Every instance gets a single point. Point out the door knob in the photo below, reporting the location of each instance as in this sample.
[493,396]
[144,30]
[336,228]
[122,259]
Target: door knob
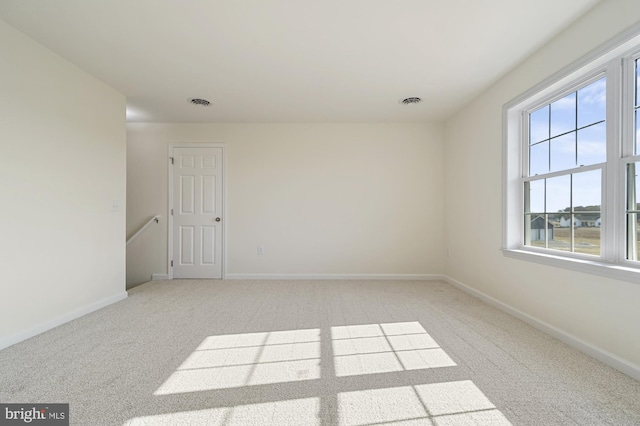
[217,219]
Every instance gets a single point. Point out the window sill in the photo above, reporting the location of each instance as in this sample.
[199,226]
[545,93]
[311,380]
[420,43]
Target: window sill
[604,269]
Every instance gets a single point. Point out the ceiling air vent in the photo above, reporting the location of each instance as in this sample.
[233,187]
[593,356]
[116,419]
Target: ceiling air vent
[201,102]
[408,101]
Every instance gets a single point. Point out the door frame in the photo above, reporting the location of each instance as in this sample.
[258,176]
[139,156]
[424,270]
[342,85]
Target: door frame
[223,252]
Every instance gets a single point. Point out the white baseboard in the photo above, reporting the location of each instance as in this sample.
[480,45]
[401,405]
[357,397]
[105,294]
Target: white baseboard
[5,342]
[159,277]
[612,360]
[417,277]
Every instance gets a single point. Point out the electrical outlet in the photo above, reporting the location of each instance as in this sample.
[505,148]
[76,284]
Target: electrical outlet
[260,251]
[115,206]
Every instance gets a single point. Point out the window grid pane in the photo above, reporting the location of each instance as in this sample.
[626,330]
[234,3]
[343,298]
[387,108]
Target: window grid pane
[592,144]
[538,235]
[569,132]
[592,103]
[539,125]
[536,191]
[563,115]
[571,219]
[587,235]
[562,152]
[539,158]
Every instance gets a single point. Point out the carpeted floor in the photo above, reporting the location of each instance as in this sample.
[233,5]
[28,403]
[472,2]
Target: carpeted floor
[312,353]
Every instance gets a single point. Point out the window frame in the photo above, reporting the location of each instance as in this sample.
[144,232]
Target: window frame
[616,61]
[570,87]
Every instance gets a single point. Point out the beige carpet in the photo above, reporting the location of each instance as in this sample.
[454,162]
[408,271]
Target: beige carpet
[312,353]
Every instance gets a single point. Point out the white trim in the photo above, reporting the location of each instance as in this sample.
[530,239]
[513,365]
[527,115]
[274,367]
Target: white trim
[612,360]
[416,277]
[603,269]
[159,277]
[41,328]
[565,172]
[170,199]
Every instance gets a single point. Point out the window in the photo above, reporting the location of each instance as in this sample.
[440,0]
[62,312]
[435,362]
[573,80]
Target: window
[566,156]
[572,148]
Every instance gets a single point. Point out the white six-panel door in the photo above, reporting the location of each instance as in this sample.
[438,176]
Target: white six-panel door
[197,212]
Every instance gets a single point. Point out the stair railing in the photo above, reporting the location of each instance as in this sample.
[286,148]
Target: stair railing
[155,219]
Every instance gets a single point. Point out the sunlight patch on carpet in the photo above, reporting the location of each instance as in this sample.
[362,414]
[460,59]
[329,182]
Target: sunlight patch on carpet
[385,348]
[449,403]
[236,360]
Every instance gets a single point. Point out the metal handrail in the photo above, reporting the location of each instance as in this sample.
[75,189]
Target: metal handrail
[156,218]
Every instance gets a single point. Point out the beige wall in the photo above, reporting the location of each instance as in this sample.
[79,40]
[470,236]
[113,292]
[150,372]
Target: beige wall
[63,163]
[320,198]
[603,313]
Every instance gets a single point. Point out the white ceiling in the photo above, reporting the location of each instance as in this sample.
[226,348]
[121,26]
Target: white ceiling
[294,60]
